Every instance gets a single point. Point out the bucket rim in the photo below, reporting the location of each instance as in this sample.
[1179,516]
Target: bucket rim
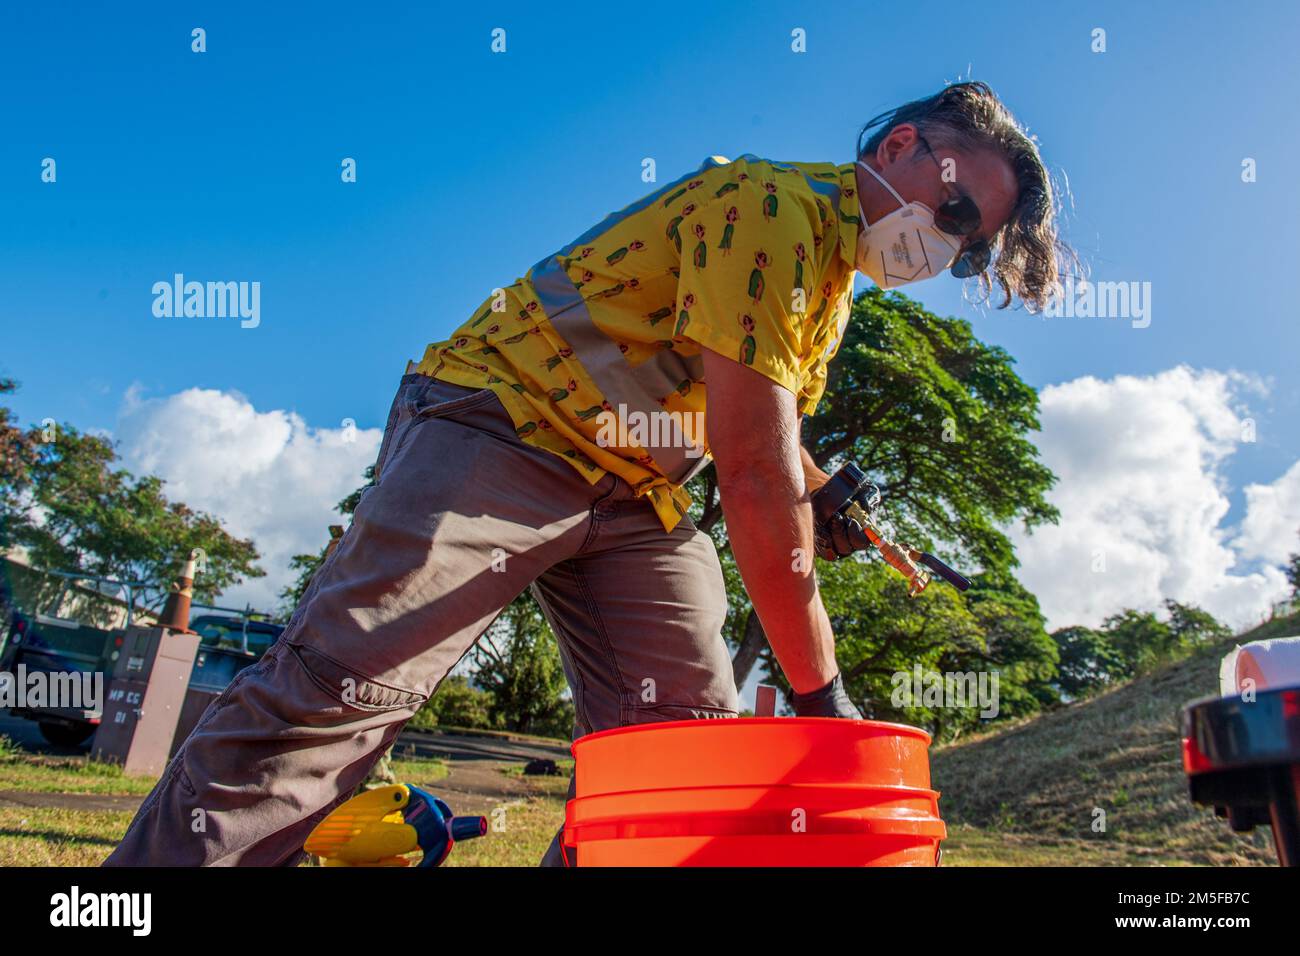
[906,729]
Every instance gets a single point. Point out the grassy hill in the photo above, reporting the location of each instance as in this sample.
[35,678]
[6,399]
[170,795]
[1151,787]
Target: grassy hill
[1026,794]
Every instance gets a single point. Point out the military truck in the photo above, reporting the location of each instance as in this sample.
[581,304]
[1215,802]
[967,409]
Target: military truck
[36,641]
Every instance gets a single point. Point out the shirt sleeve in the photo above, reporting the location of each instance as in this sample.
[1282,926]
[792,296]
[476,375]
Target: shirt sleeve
[743,256]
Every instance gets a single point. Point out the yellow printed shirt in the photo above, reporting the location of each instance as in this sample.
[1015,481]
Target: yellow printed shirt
[752,259]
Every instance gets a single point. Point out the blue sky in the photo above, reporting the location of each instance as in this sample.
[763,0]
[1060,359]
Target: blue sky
[472,165]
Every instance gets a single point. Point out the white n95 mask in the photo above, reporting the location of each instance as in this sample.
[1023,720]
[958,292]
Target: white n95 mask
[904,246]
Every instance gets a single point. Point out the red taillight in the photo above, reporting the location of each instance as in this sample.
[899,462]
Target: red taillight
[1193,760]
[117,642]
[1291,704]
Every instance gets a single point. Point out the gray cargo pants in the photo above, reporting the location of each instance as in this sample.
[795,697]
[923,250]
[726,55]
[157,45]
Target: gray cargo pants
[462,518]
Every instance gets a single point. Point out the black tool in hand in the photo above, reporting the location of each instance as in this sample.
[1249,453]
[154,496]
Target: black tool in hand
[843,510]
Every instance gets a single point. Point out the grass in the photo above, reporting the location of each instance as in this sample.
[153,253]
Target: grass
[519,830]
[972,846]
[419,771]
[518,836]
[36,773]
[51,837]
[57,837]
[1026,794]
[1032,793]
[20,770]
[519,833]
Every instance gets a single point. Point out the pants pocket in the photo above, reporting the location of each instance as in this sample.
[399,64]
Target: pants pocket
[395,412]
[424,401]
[666,712]
[434,400]
[350,687]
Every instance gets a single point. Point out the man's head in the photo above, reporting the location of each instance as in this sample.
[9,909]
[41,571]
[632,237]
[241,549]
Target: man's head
[962,154]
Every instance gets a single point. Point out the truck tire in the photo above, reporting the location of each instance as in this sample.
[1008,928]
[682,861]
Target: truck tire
[67,735]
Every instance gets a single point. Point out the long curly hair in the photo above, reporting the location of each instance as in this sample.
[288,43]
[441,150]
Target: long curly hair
[1029,259]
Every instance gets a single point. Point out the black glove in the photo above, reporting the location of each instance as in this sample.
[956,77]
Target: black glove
[838,537]
[829,701]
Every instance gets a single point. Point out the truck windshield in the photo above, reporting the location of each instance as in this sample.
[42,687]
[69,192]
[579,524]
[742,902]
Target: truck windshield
[228,634]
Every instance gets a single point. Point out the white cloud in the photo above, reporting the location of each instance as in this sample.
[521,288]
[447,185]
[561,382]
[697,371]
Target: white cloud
[1140,462]
[1271,528]
[267,475]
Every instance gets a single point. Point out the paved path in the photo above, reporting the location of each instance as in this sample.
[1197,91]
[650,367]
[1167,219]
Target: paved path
[470,747]
[70,801]
[480,787]
[448,746]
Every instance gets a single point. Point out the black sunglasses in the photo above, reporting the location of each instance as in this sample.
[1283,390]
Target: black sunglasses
[960,217]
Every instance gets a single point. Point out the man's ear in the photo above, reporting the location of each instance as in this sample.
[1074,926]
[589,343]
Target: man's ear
[901,141]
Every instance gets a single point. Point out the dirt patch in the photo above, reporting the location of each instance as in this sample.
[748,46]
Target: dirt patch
[71,801]
[481,786]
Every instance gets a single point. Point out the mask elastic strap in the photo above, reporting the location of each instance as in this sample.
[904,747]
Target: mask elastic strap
[881,179]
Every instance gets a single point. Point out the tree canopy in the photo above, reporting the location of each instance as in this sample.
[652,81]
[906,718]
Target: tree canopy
[64,501]
[1293,575]
[1130,643]
[942,423]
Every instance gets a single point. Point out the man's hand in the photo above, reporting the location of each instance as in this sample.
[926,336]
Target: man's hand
[828,701]
[840,535]
[752,428]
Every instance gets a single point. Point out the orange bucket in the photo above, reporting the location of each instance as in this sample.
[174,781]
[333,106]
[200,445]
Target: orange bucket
[763,791]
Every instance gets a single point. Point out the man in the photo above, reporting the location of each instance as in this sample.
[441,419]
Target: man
[517,454]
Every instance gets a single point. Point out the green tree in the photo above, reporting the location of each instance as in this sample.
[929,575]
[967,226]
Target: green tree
[1088,662]
[1139,638]
[73,510]
[19,452]
[942,423]
[1143,641]
[517,662]
[1016,643]
[1130,643]
[1293,576]
[1191,627]
[458,703]
[883,636]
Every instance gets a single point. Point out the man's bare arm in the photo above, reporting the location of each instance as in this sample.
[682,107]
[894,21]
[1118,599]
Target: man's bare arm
[814,477]
[752,426]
